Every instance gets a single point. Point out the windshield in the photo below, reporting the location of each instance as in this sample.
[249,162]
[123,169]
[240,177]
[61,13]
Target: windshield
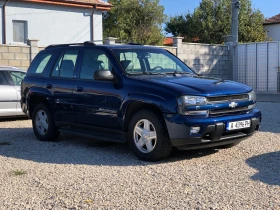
[150,61]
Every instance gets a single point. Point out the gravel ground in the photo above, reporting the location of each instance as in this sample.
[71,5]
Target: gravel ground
[78,173]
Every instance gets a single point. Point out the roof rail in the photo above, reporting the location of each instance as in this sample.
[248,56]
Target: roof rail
[86,43]
[132,43]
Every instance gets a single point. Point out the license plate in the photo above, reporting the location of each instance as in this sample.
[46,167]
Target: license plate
[239,125]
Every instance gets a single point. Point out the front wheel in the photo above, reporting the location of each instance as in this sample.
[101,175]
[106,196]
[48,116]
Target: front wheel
[148,137]
[43,125]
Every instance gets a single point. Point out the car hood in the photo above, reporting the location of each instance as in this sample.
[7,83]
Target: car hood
[199,85]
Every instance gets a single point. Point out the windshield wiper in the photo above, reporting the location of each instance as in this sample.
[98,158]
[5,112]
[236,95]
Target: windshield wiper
[153,73]
[178,72]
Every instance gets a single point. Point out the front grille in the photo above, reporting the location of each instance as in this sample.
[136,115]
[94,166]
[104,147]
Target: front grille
[229,99]
[227,111]
[221,99]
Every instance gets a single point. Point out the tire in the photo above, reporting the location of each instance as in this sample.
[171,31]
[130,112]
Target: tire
[43,125]
[148,137]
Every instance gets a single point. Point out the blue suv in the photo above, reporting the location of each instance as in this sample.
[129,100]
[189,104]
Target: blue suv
[142,95]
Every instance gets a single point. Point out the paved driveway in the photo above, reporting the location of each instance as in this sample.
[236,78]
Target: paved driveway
[78,173]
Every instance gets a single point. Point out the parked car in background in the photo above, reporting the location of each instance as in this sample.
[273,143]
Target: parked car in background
[140,94]
[10,81]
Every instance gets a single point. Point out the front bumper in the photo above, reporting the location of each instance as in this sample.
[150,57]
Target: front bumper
[212,130]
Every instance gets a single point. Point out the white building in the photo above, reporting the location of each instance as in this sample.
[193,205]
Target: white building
[51,21]
[272,27]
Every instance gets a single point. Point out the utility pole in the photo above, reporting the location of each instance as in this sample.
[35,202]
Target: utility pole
[235,6]
[232,40]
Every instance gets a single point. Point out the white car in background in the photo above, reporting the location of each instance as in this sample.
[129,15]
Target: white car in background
[10,81]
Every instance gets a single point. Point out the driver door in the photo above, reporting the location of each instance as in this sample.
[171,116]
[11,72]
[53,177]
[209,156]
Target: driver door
[96,102]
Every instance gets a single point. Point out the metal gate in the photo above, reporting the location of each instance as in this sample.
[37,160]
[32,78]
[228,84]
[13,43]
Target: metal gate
[257,65]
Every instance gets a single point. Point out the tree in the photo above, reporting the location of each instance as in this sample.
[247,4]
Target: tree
[138,21]
[211,21]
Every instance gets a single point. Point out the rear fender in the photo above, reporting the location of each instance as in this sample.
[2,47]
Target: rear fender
[36,95]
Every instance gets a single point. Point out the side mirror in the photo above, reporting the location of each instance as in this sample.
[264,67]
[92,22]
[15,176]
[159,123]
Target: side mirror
[103,75]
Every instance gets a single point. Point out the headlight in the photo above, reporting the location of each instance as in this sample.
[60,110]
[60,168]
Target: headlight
[252,96]
[185,101]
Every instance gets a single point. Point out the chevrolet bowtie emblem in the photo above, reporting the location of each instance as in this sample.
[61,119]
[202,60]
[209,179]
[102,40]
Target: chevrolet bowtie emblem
[233,105]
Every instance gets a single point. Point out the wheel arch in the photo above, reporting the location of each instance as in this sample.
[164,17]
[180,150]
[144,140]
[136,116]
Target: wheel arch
[136,106]
[36,97]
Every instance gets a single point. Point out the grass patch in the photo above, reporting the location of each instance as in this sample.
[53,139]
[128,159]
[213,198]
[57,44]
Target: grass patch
[5,143]
[18,173]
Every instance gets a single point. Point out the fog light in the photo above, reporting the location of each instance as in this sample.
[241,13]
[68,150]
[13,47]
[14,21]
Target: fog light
[195,130]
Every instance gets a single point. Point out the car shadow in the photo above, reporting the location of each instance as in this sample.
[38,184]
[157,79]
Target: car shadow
[268,166]
[21,143]
[270,122]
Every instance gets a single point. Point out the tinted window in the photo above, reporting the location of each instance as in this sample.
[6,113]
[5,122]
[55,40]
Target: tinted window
[3,80]
[94,60]
[130,56]
[17,77]
[39,64]
[65,64]
[140,61]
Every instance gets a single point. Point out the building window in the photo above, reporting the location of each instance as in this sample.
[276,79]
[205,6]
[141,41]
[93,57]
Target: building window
[20,31]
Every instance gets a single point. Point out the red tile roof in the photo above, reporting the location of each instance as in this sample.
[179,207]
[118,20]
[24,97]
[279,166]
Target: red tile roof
[98,4]
[273,20]
[168,41]
[94,2]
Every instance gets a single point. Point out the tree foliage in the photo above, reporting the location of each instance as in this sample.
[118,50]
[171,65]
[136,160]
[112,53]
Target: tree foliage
[211,21]
[138,21]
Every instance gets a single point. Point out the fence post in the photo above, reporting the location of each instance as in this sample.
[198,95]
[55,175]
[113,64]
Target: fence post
[33,43]
[232,61]
[177,42]
[110,40]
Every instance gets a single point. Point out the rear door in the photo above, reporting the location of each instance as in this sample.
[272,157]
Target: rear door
[8,96]
[61,82]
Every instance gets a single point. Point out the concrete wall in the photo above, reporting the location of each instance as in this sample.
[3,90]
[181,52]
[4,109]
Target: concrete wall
[210,60]
[273,31]
[173,50]
[53,24]
[206,59]
[15,55]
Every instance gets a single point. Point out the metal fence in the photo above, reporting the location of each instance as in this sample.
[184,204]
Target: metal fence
[257,65]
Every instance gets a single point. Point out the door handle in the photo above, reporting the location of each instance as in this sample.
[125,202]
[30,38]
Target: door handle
[79,89]
[49,86]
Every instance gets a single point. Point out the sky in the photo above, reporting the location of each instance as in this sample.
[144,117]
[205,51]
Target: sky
[177,7]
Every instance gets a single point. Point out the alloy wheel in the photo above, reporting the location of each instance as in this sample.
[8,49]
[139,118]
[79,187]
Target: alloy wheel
[145,136]
[41,122]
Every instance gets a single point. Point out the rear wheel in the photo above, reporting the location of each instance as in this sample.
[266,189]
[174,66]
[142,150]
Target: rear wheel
[43,125]
[148,137]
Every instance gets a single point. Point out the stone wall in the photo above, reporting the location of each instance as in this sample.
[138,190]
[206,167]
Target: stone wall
[15,55]
[170,49]
[19,55]
[206,59]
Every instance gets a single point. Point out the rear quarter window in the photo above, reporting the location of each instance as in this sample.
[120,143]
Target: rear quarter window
[40,63]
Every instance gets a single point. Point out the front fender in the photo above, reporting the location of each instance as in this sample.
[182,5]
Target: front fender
[164,104]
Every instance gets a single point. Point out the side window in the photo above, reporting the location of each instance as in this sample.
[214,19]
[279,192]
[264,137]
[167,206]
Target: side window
[65,64]
[39,64]
[130,62]
[17,77]
[94,60]
[3,80]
